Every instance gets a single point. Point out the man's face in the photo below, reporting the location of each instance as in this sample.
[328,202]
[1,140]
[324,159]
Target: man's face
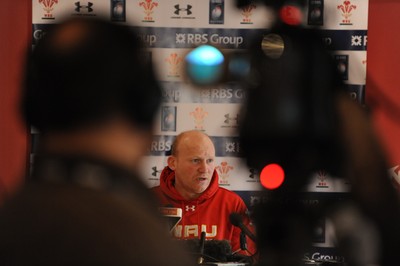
[193,165]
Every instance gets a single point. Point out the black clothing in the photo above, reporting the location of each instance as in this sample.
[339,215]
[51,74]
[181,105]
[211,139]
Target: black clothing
[84,212]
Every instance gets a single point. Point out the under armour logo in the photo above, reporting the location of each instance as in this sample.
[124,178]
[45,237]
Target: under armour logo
[178,9]
[79,6]
[190,208]
[253,173]
[229,118]
[155,171]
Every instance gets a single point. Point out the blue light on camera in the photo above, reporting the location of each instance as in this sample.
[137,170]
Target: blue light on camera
[205,65]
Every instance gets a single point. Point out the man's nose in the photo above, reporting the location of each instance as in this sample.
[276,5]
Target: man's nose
[203,166]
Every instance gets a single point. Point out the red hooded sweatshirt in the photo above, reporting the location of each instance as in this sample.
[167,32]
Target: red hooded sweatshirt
[209,212]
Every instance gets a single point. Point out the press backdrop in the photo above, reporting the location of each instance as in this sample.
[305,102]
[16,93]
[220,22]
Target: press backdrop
[171,28]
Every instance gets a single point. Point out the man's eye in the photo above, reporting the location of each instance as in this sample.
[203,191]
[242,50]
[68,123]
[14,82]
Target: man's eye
[195,160]
[210,160]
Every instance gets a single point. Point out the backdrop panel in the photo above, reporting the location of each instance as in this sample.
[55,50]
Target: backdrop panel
[170,28]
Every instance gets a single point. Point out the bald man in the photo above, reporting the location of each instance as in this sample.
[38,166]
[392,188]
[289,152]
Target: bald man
[190,182]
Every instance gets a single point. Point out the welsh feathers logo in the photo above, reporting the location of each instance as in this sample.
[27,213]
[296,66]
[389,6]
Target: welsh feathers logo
[48,7]
[321,175]
[199,114]
[246,12]
[174,62]
[223,170]
[148,9]
[346,10]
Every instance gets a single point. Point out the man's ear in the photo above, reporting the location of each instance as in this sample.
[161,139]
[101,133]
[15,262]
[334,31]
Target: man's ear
[171,162]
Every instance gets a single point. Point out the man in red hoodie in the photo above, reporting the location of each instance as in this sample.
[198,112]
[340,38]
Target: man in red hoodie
[190,182]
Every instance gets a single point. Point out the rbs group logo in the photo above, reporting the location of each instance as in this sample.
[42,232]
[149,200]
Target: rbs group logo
[203,38]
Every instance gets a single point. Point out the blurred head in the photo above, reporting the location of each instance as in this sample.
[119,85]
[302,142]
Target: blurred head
[192,159]
[86,71]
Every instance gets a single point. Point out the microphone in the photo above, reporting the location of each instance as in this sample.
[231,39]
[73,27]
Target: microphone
[243,241]
[172,215]
[236,220]
[202,241]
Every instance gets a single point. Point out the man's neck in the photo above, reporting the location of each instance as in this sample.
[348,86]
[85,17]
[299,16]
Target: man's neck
[115,142]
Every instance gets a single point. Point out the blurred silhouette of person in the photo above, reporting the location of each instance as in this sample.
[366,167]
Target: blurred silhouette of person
[91,93]
[190,181]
